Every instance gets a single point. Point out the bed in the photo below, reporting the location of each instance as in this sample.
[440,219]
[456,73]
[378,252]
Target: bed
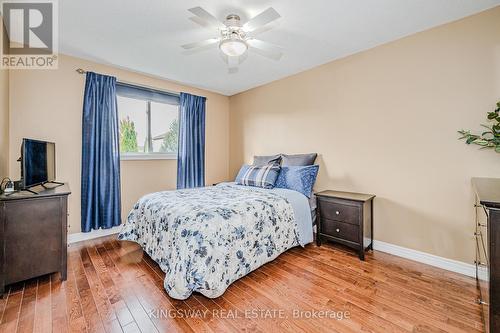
[206,238]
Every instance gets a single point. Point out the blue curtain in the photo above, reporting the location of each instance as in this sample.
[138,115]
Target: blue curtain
[101,206]
[191,152]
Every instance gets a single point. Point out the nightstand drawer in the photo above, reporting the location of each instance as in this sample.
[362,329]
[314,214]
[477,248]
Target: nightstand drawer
[339,212]
[341,230]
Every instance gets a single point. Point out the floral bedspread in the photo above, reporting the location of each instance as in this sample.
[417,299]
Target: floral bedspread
[204,239]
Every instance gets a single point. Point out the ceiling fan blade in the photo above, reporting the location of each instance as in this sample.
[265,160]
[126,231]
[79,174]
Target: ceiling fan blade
[198,20]
[262,19]
[206,16]
[265,49]
[243,57]
[200,49]
[258,31]
[203,43]
[233,62]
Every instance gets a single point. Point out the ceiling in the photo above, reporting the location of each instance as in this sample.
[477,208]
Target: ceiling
[145,36]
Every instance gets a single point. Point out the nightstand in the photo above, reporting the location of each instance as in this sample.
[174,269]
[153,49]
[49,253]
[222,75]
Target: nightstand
[346,218]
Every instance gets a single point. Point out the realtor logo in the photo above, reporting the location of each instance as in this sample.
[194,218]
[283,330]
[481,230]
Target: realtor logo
[29,36]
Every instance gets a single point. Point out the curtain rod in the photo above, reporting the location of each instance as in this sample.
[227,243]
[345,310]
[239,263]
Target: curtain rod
[82,71]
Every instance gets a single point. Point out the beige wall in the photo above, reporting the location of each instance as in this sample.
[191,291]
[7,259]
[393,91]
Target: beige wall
[384,121]
[4,119]
[4,123]
[47,105]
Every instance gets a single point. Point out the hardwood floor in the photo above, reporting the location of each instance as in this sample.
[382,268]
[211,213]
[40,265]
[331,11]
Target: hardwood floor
[113,287]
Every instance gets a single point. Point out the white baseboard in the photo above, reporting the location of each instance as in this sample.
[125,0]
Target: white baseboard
[82,236]
[430,259]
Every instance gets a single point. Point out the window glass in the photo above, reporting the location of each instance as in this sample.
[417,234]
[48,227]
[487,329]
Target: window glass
[164,127]
[147,127]
[133,124]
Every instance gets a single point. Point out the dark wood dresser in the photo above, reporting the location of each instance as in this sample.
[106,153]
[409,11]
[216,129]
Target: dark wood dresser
[487,191]
[33,230]
[346,218]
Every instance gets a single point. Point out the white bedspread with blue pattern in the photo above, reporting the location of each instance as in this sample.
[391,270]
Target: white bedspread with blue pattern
[204,239]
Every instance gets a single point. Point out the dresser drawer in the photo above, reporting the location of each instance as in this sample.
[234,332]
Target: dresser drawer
[336,210]
[34,245]
[346,231]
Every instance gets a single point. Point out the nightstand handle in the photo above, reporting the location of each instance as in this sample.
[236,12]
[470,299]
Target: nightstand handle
[337,230]
[337,212]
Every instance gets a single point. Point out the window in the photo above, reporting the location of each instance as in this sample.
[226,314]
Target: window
[149,122]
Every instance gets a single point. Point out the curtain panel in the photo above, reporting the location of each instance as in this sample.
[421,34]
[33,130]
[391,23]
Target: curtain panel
[191,152]
[100,188]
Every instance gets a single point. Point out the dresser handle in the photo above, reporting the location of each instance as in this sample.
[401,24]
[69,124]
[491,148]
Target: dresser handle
[337,230]
[480,301]
[482,225]
[337,212]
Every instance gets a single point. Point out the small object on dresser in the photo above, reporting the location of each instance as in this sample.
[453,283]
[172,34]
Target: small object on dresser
[346,218]
[6,185]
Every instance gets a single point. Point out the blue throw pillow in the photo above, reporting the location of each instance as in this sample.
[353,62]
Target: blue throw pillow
[261,176]
[298,178]
[240,174]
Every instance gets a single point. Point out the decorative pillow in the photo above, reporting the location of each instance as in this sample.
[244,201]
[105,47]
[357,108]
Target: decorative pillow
[298,159]
[298,178]
[265,160]
[241,173]
[261,176]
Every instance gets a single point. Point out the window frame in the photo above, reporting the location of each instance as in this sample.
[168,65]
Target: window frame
[129,156]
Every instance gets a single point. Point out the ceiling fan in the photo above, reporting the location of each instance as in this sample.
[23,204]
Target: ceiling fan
[235,38]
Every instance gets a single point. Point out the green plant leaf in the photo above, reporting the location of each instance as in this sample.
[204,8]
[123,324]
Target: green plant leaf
[492,115]
[470,139]
[481,142]
[487,139]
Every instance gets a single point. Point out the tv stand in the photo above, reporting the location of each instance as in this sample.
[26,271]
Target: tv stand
[20,190]
[51,182]
[27,190]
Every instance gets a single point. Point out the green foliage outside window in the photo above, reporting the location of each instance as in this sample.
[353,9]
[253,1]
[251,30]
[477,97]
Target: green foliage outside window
[128,136]
[170,140]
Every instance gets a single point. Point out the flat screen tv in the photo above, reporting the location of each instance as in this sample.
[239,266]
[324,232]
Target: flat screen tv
[38,162]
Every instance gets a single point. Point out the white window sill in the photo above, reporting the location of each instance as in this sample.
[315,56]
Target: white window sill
[143,157]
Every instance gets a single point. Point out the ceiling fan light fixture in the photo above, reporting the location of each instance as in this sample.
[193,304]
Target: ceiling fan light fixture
[235,38]
[233,47]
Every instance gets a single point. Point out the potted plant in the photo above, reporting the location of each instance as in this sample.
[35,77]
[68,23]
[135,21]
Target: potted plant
[488,139]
